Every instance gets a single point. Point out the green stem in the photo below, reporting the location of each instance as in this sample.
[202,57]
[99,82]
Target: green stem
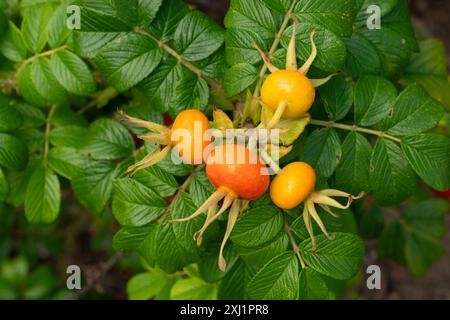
[48,127]
[288,231]
[42,54]
[213,83]
[331,124]
[274,47]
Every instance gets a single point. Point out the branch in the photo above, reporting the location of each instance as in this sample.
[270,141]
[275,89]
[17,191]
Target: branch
[331,124]
[213,83]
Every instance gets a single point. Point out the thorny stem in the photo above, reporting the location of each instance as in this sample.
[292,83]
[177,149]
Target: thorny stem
[213,83]
[287,228]
[341,126]
[48,126]
[275,44]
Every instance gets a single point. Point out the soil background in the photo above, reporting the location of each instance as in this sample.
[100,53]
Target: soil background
[431,19]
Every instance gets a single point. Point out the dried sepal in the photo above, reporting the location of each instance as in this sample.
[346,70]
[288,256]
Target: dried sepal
[305,68]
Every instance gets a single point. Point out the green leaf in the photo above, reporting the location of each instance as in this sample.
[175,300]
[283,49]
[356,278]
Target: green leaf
[251,15]
[334,15]
[67,161]
[193,289]
[312,286]
[12,45]
[159,86]
[208,268]
[337,97]
[259,256]
[72,73]
[32,116]
[148,9]
[362,56]
[177,238]
[88,44]
[429,68]
[169,15]
[280,6]
[57,27]
[200,188]
[323,151]
[68,136]
[391,178]
[239,46]
[374,98]
[257,226]
[278,279]
[414,112]
[94,185]
[215,65]
[28,89]
[131,238]
[108,16]
[158,180]
[428,217]
[108,140]
[421,252]
[18,182]
[34,27]
[339,258]
[238,78]
[145,286]
[188,91]
[10,118]
[134,204]
[331,50]
[127,60]
[232,286]
[429,155]
[197,37]
[13,152]
[45,83]
[43,197]
[352,174]
[174,165]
